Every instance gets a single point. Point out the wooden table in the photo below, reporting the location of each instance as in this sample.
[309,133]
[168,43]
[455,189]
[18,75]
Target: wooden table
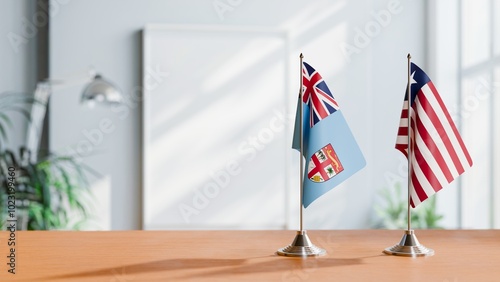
[353,255]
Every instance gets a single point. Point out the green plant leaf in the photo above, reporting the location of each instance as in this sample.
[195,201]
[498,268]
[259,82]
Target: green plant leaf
[392,213]
[56,188]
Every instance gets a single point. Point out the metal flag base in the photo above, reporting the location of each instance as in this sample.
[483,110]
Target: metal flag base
[409,247]
[301,247]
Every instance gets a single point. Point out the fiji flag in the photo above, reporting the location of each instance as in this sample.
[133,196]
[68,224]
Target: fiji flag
[331,152]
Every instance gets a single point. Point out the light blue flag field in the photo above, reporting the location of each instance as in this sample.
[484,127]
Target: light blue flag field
[330,150]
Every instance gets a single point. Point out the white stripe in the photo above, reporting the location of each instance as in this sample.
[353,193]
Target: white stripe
[431,129]
[448,128]
[402,139]
[325,101]
[323,96]
[403,122]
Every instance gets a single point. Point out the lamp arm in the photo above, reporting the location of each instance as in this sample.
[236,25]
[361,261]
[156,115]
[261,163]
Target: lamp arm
[38,111]
[80,78]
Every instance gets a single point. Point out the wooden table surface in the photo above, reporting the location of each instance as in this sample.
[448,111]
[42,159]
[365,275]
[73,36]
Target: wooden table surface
[353,255]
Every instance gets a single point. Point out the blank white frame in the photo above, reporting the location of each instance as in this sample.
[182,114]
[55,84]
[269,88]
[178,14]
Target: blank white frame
[149,103]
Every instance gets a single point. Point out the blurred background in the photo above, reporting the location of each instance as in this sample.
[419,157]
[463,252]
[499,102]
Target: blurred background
[201,138]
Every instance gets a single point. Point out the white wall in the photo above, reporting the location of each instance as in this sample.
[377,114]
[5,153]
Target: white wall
[18,57]
[369,84]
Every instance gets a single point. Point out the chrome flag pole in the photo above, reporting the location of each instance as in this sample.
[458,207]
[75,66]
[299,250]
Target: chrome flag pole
[409,245]
[301,245]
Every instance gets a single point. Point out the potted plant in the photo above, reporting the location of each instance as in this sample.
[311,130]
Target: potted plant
[50,193]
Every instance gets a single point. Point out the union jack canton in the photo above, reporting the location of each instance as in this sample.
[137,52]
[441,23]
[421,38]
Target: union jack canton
[316,95]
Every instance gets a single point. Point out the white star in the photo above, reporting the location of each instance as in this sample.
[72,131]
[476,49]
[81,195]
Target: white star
[413,79]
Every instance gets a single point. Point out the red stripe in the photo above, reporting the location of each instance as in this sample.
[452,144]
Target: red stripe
[404,113]
[450,121]
[318,106]
[431,145]
[436,122]
[422,196]
[403,131]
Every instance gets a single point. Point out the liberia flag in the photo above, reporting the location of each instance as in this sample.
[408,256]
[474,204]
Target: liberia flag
[332,154]
[437,153]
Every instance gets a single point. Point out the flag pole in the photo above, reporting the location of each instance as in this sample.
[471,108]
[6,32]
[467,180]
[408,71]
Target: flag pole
[409,246]
[301,169]
[408,90]
[301,245]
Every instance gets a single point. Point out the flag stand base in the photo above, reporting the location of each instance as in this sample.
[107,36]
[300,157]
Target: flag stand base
[301,247]
[409,247]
